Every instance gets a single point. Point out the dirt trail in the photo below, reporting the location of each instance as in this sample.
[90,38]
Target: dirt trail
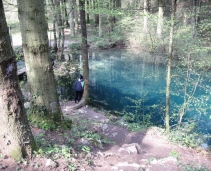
[146,150]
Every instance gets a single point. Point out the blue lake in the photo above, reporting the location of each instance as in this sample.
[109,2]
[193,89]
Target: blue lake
[127,82]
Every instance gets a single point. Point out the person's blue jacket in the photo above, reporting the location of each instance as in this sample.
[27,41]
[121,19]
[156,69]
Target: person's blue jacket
[79,85]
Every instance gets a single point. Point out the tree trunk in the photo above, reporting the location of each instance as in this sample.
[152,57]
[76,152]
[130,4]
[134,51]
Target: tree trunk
[66,14]
[60,55]
[145,15]
[85,97]
[55,47]
[168,78]
[160,18]
[111,18]
[16,137]
[76,14]
[71,6]
[53,9]
[100,25]
[96,16]
[37,59]
[87,13]
[59,23]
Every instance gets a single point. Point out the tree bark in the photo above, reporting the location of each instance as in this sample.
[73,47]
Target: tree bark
[87,4]
[71,6]
[146,10]
[168,78]
[37,59]
[55,47]
[66,14]
[160,18]
[100,25]
[85,97]
[53,9]
[60,55]
[16,138]
[96,16]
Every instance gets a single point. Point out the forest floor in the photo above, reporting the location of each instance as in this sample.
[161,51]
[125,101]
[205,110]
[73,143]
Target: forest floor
[99,142]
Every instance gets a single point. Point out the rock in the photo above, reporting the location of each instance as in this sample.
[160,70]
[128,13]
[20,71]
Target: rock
[133,148]
[169,159]
[164,160]
[2,166]
[109,155]
[114,134]
[84,141]
[104,127]
[126,164]
[154,161]
[123,150]
[99,153]
[205,146]
[27,105]
[82,111]
[51,163]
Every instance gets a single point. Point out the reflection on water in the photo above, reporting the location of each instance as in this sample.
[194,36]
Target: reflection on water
[127,82]
[117,78]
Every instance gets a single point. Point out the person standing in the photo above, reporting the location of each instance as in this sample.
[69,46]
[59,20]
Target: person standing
[79,86]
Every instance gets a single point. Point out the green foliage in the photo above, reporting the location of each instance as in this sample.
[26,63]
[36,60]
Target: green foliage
[22,83]
[175,154]
[137,116]
[135,127]
[16,154]
[47,149]
[75,47]
[72,167]
[40,121]
[185,135]
[85,149]
[41,118]
[66,123]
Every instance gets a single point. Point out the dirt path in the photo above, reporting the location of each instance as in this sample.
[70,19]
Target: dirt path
[146,150]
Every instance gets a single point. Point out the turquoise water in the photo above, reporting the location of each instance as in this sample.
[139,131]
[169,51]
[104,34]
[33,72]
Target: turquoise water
[127,82]
[120,79]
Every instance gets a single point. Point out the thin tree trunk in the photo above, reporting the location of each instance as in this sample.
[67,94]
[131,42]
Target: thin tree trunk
[55,47]
[160,18]
[168,78]
[59,23]
[37,59]
[71,6]
[111,19]
[53,9]
[16,138]
[96,16]
[87,13]
[76,14]
[145,15]
[100,25]
[60,55]
[85,97]
[65,14]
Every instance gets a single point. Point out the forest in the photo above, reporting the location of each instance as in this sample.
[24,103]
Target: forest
[172,35]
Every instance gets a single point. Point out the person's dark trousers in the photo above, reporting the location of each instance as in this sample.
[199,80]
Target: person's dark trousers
[78,95]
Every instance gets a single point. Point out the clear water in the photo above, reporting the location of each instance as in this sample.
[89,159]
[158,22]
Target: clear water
[129,82]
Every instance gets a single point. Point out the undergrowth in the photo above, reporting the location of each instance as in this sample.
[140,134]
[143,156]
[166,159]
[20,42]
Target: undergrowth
[66,145]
